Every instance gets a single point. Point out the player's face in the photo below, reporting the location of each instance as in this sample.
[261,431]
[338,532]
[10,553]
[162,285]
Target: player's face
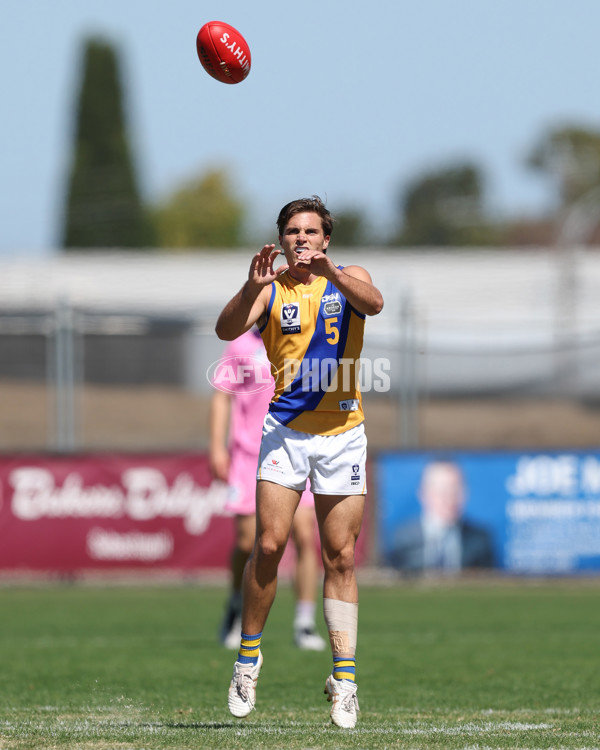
[302,232]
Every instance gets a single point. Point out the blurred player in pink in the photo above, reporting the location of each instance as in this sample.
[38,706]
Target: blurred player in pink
[243,387]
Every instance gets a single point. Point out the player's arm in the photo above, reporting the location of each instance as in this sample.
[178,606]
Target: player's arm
[220,408]
[242,311]
[355,283]
[250,304]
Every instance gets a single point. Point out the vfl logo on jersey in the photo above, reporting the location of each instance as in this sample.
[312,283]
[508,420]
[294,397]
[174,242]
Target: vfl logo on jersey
[355,476]
[290,318]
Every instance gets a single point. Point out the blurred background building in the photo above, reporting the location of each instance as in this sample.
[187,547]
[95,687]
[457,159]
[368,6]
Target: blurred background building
[483,348]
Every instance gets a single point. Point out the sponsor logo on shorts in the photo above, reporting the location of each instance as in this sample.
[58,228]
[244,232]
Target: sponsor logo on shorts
[272,468]
[355,477]
[290,318]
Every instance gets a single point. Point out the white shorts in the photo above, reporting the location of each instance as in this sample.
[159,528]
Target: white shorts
[335,464]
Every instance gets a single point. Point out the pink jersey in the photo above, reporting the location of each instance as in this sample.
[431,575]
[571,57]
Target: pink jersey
[246,374]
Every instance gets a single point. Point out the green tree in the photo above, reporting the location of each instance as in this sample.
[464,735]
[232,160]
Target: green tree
[203,212]
[103,208]
[350,228]
[571,157]
[445,207]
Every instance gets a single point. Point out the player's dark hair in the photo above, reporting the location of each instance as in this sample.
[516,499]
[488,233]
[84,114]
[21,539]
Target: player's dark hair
[304,205]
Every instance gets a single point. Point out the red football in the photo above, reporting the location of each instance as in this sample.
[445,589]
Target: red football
[223,52]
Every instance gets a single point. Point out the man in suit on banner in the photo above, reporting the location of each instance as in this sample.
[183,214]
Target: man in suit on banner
[441,539]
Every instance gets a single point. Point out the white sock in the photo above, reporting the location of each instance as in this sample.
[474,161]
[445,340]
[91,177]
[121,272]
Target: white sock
[305,614]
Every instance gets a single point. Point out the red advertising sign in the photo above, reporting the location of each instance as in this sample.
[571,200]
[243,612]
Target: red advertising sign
[111,511]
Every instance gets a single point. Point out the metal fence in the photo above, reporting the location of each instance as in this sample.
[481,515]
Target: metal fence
[460,330]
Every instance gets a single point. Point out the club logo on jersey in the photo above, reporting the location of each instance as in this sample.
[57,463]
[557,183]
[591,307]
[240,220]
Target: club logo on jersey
[332,308]
[290,318]
[332,304]
[355,476]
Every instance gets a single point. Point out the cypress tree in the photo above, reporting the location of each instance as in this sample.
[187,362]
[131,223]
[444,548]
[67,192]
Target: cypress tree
[103,208]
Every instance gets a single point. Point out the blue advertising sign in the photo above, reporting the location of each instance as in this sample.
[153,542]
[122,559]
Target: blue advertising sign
[535,513]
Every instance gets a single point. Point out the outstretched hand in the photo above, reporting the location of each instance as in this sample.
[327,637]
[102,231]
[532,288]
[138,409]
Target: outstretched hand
[262,272]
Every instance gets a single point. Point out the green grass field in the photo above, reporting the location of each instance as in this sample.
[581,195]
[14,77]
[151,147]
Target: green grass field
[463,666]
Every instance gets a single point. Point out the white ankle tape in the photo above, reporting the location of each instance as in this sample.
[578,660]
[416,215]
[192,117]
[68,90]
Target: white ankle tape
[342,624]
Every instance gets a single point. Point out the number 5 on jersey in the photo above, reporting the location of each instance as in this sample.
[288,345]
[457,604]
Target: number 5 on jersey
[332,331]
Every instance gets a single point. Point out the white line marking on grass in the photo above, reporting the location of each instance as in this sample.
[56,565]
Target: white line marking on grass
[472,728]
[530,711]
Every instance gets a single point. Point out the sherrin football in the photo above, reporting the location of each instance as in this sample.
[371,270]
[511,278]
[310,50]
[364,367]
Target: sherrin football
[223,52]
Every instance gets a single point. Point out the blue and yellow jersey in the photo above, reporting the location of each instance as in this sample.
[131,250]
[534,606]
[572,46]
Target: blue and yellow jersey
[313,338]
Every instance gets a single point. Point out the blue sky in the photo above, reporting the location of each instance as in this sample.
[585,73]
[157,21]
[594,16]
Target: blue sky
[346,99]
